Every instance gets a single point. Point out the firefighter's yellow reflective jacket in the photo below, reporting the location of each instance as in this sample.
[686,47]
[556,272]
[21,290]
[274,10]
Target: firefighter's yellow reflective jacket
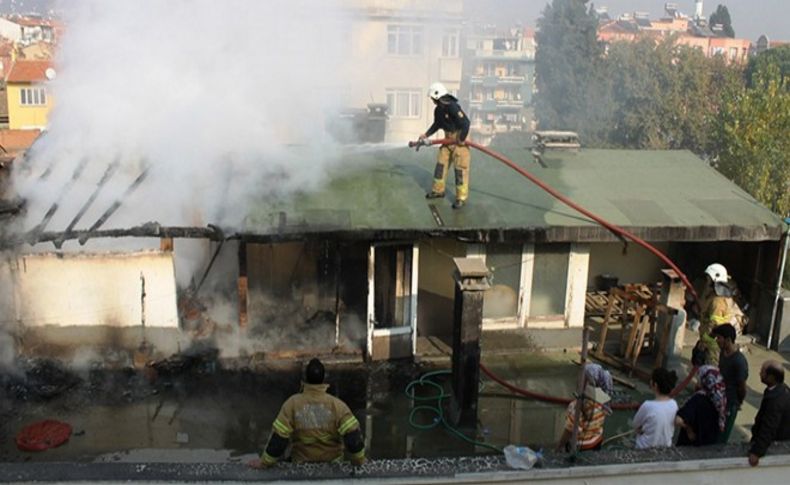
[315,422]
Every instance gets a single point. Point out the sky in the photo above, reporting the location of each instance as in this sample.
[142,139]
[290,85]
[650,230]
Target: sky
[750,18]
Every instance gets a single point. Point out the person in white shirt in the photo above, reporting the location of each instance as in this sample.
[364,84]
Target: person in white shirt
[655,420]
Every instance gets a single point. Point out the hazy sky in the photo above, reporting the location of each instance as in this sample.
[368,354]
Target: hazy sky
[750,18]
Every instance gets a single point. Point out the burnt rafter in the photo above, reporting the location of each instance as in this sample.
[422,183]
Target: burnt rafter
[149,229]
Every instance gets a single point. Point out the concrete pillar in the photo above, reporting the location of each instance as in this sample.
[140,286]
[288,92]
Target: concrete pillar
[471,282]
[673,295]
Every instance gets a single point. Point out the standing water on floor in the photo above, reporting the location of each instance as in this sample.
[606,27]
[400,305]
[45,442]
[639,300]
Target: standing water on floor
[205,407]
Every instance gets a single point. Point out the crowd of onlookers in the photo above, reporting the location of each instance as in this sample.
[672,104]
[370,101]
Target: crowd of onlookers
[708,416]
[705,418]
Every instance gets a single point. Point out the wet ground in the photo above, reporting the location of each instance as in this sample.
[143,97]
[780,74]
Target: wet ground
[201,419]
[206,407]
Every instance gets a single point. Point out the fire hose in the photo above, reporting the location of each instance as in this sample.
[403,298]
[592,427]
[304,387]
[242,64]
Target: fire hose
[615,229]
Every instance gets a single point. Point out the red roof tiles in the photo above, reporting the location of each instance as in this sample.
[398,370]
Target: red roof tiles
[28,71]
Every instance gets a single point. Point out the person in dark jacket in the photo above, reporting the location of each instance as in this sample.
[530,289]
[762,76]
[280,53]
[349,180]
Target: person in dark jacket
[772,422]
[449,116]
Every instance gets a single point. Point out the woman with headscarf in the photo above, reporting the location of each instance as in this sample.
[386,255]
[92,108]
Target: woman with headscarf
[703,417]
[594,412]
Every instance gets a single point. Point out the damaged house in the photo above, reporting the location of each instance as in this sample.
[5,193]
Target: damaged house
[363,266]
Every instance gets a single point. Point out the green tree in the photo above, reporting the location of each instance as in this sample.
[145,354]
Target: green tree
[665,95]
[722,16]
[571,87]
[753,146]
[778,56]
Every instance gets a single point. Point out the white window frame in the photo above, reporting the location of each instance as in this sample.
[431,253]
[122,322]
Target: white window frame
[33,96]
[576,284]
[414,108]
[450,43]
[479,251]
[396,33]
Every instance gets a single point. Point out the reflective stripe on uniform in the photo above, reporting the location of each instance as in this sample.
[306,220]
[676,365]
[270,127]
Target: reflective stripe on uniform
[358,455]
[282,429]
[720,319]
[268,459]
[347,425]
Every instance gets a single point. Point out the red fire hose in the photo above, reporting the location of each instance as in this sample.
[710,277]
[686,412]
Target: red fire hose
[608,225]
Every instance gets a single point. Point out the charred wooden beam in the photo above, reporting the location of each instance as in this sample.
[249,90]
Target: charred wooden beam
[55,205]
[150,229]
[107,175]
[114,207]
[243,286]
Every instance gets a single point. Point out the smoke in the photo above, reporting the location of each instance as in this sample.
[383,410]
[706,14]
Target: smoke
[211,97]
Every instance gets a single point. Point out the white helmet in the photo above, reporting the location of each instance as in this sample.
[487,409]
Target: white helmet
[436,91]
[717,273]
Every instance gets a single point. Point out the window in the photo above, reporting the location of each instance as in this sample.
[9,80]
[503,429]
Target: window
[33,96]
[549,280]
[450,43]
[404,103]
[404,40]
[504,262]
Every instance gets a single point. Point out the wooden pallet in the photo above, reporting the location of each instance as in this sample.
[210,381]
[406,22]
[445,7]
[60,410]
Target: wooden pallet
[635,309]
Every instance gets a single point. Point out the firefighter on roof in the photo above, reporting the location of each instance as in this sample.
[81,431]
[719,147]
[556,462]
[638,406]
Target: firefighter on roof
[449,116]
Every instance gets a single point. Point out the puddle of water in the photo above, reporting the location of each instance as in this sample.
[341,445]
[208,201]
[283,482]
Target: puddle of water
[234,411]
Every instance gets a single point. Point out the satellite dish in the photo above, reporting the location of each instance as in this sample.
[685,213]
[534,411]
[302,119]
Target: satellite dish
[50,73]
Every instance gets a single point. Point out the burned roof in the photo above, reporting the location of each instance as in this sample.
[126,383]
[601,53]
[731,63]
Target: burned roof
[660,195]
[375,193]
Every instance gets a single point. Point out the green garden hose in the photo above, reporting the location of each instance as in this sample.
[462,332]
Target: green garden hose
[437,409]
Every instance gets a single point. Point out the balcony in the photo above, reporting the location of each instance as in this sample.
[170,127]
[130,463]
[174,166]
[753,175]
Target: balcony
[492,81]
[496,104]
[503,54]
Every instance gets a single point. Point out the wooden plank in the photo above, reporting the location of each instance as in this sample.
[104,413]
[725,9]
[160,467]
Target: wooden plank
[605,325]
[640,340]
[629,349]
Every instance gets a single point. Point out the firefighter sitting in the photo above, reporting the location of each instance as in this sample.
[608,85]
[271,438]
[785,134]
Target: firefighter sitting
[316,424]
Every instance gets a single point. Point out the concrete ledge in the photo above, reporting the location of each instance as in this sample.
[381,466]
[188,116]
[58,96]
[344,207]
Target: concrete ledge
[219,466]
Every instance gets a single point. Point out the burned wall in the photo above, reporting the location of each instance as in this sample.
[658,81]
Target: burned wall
[59,304]
[308,295]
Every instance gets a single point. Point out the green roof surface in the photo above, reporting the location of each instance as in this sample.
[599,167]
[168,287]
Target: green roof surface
[660,195]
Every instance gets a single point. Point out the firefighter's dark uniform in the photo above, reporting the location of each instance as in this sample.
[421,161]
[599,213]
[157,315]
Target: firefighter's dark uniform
[449,116]
[317,425]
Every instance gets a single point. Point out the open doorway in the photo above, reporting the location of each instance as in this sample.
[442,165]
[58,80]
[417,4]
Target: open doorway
[392,300]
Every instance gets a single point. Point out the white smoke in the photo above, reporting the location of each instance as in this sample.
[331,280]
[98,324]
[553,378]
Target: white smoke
[212,95]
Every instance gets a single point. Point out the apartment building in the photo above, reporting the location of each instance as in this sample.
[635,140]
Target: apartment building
[499,80]
[400,48]
[29,100]
[692,32]
[29,29]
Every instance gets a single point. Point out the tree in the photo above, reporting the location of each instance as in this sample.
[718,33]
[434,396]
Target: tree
[778,56]
[753,146]
[571,87]
[664,95]
[722,17]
